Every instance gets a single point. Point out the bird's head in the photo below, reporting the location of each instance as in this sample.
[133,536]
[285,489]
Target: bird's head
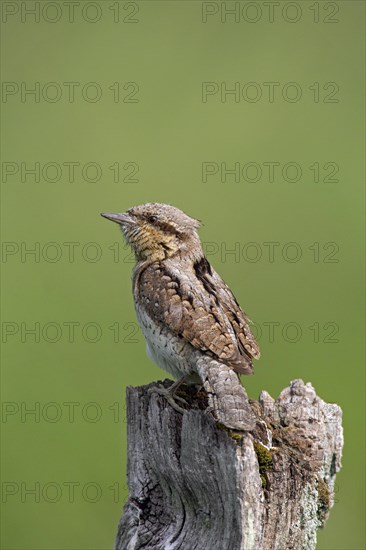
[156,231]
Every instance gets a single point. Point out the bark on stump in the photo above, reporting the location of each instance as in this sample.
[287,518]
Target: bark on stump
[193,484]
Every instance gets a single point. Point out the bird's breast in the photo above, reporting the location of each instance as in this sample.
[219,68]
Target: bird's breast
[168,350]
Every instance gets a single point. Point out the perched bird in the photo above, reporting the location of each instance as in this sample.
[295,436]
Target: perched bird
[193,325]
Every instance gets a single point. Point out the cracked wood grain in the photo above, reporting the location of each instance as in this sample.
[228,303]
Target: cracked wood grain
[194,484]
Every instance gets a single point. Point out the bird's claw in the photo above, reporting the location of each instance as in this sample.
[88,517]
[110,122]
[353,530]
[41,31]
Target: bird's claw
[170,397]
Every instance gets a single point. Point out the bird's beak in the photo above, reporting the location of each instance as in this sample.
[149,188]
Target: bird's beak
[118,218]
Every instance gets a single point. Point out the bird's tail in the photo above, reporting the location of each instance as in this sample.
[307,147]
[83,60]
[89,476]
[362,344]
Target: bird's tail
[227,397]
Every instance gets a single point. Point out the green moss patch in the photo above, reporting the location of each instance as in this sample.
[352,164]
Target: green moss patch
[264,461]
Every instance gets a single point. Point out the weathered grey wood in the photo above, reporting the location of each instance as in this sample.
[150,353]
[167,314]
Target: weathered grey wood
[193,484]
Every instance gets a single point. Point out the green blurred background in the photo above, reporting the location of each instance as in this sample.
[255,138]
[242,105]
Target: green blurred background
[73,371]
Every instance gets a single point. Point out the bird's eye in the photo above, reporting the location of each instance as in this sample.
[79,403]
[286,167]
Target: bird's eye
[153,219]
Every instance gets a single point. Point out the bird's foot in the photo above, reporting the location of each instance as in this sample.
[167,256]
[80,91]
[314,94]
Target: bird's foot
[170,396]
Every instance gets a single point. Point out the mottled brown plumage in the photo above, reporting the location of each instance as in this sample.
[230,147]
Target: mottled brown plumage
[197,306]
[185,310]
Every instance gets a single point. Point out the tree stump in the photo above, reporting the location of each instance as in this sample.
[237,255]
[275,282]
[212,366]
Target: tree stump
[194,484]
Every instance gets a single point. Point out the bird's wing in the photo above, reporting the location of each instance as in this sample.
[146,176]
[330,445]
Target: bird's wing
[238,319]
[200,308]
